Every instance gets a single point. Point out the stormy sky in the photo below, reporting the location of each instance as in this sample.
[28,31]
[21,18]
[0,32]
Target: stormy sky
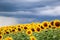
[27,11]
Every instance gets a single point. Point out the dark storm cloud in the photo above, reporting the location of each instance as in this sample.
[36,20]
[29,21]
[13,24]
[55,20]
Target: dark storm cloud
[18,5]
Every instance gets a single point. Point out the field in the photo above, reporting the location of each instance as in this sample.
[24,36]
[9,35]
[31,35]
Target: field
[46,30]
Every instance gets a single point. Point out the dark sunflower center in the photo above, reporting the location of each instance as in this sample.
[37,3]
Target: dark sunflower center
[32,29]
[29,32]
[25,27]
[33,39]
[42,27]
[38,29]
[45,24]
[49,26]
[52,23]
[0,32]
[19,29]
[0,37]
[57,24]
[7,32]
[13,30]
[38,25]
[19,26]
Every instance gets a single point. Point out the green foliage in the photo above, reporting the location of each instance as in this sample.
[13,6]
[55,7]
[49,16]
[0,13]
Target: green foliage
[17,36]
[49,34]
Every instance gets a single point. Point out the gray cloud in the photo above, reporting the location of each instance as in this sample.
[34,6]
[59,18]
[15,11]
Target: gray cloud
[26,5]
[26,11]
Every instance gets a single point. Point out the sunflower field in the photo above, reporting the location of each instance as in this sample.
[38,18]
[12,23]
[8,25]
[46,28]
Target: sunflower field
[46,30]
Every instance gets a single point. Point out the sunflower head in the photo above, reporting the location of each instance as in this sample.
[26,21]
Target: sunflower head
[33,29]
[50,26]
[51,23]
[32,38]
[19,29]
[45,24]
[7,32]
[22,26]
[1,37]
[29,32]
[5,28]
[37,29]
[38,24]
[1,31]
[18,25]
[27,26]
[42,27]
[8,38]
[57,23]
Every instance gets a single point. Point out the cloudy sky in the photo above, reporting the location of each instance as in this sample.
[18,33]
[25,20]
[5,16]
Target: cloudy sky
[27,11]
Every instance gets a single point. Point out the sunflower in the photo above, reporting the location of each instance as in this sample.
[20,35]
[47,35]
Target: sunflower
[57,23]
[33,25]
[37,29]
[1,31]
[51,23]
[45,24]
[8,38]
[29,32]
[32,38]
[5,28]
[1,37]
[42,27]
[22,26]
[4,32]
[2,27]
[38,24]
[32,29]
[13,30]
[27,26]
[19,29]
[10,28]
[18,25]
[50,26]
[7,32]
